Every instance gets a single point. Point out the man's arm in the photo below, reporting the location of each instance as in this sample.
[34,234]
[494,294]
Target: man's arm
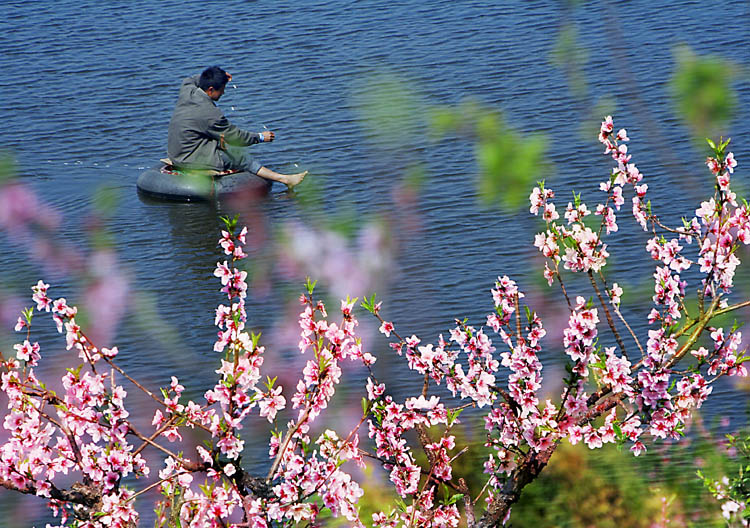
[226,133]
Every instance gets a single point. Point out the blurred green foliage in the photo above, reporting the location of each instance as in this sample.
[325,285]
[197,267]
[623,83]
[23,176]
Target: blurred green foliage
[310,193]
[582,488]
[570,57]
[509,163]
[701,86]
[735,484]
[702,91]
[388,107]
[7,167]
[606,488]
[105,200]
[610,487]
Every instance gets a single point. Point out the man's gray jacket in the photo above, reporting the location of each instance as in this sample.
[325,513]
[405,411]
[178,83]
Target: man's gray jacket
[199,133]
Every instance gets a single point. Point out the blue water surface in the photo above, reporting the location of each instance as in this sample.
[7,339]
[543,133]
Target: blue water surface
[88,89]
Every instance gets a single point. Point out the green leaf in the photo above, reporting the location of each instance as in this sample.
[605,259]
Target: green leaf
[28,314]
[368,304]
[230,223]
[75,371]
[386,107]
[105,200]
[508,162]
[599,364]
[452,415]
[310,285]
[255,338]
[7,167]
[455,498]
[570,57]
[618,430]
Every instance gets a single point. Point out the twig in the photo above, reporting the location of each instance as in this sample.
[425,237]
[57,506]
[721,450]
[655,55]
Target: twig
[285,444]
[155,484]
[518,318]
[609,316]
[191,466]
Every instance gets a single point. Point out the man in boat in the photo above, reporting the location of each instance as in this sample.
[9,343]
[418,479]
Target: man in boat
[201,138]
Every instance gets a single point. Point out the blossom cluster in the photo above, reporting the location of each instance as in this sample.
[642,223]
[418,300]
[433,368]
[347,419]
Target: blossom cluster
[87,429]
[307,476]
[85,432]
[302,471]
[84,429]
[654,398]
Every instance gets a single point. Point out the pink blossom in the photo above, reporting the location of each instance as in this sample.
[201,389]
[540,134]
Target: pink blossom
[386,328]
[713,165]
[605,130]
[40,296]
[223,272]
[730,163]
[637,448]
[271,403]
[28,352]
[615,293]
[374,391]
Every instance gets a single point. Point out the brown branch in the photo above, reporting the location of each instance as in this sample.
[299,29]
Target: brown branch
[149,441]
[133,381]
[510,492]
[463,488]
[632,334]
[285,444]
[728,309]
[77,494]
[562,286]
[609,316]
[187,464]
[622,319]
[518,319]
[695,334]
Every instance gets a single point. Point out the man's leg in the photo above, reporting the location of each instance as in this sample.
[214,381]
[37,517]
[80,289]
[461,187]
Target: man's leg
[238,159]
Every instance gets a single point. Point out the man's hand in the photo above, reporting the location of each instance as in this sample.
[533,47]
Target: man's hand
[229,76]
[268,136]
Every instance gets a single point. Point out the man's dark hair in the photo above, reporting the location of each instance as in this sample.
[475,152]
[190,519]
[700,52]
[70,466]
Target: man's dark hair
[213,77]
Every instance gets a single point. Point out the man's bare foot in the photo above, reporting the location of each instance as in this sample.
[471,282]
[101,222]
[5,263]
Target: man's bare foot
[292,180]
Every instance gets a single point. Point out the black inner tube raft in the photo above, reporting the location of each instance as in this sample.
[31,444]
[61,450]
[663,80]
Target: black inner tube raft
[167,183]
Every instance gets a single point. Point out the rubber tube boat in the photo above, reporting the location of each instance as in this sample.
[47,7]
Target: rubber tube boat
[167,183]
